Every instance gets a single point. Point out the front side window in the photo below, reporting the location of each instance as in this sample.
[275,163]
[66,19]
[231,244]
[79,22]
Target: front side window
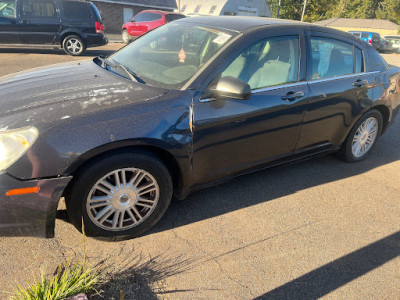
[38,9]
[331,58]
[269,62]
[7,8]
[170,55]
[140,17]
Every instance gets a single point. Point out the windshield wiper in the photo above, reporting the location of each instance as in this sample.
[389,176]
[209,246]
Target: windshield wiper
[113,64]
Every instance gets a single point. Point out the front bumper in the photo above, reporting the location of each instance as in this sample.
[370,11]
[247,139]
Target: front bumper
[30,214]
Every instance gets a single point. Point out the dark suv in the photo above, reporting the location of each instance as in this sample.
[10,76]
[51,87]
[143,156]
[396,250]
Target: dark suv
[71,25]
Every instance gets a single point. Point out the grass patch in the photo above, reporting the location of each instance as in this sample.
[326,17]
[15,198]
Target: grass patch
[68,280]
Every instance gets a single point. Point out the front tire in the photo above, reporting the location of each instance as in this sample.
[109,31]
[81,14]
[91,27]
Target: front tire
[120,196]
[125,36]
[74,45]
[362,138]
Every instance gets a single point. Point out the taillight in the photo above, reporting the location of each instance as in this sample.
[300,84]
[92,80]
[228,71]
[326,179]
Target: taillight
[99,27]
[370,41]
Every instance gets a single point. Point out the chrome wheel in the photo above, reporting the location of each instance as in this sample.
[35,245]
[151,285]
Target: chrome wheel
[125,37]
[365,137]
[74,46]
[122,199]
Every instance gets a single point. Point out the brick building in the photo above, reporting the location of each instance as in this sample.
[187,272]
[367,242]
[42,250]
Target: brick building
[116,13]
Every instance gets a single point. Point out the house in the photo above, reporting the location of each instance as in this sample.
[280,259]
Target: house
[383,27]
[225,7]
[117,12]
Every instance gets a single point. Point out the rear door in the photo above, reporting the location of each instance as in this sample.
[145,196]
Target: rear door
[39,21]
[9,29]
[339,87]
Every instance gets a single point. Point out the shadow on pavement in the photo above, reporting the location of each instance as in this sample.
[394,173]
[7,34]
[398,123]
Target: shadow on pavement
[137,276]
[263,186]
[332,276]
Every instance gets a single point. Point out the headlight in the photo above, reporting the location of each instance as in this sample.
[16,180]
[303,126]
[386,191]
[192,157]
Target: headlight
[14,143]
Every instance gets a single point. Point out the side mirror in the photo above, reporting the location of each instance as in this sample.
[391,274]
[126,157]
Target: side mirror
[231,87]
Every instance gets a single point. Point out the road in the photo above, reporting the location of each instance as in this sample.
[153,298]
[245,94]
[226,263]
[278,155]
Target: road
[320,228]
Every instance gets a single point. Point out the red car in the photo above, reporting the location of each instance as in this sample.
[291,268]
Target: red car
[145,21]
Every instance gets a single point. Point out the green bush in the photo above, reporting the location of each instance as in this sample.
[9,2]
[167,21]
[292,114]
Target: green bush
[68,280]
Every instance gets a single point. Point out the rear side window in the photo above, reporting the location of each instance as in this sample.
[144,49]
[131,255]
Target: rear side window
[97,12]
[331,58]
[76,10]
[38,9]
[173,17]
[147,17]
[365,35]
[359,66]
[152,17]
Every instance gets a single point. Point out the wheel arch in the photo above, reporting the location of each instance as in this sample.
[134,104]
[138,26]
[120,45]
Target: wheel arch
[385,116]
[68,33]
[90,157]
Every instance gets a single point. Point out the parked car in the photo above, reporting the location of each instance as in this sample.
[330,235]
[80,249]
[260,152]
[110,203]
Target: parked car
[372,38]
[395,40]
[71,25]
[145,21]
[385,46]
[219,97]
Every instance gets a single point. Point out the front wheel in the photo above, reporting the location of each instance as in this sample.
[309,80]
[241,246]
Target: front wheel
[120,196]
[125,36]
[73,45]
[362,138]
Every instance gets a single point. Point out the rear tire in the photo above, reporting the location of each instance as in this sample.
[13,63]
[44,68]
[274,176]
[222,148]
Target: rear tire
[362,138]
[73,45]
[120,196]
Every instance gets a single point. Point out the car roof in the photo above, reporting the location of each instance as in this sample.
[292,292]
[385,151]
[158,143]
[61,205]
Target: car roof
[239,23]
[160,12]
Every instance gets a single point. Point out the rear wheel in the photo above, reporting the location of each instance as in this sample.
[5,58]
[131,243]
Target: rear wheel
[362,138]
[74,45]
[125,36]
[120,196]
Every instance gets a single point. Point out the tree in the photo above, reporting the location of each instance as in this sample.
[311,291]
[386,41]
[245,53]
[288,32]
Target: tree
[325,9]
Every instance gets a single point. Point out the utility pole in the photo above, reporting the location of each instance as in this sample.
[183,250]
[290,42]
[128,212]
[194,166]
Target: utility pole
[279,8]
[179,6]
[304,10]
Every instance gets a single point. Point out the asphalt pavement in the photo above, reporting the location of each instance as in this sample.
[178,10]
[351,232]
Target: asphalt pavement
[322,228]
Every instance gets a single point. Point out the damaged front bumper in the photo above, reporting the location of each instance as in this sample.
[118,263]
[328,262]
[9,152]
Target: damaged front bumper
[29,213]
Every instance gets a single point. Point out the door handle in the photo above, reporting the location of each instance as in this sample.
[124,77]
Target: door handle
[360,83]
[293,96]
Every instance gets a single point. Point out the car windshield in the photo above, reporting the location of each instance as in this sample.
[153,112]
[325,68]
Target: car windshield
[170,55]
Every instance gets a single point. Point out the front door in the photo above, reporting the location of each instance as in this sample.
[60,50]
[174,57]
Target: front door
[231,136]
[39,21]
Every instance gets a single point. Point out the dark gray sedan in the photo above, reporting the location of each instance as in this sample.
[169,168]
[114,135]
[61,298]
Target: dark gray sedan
[188,105]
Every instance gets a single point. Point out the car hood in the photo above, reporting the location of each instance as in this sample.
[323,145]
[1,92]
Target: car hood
[66,90]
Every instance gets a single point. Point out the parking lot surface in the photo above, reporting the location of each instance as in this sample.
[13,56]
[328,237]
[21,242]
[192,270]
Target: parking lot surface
[318,229]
